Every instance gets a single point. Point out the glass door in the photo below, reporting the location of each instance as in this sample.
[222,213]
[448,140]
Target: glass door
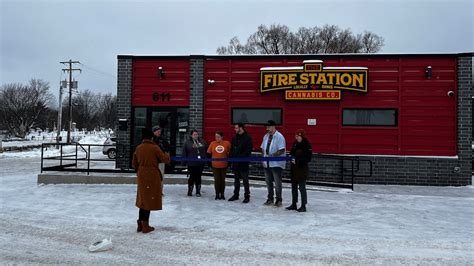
[174,124]
[182,132]
[163,119]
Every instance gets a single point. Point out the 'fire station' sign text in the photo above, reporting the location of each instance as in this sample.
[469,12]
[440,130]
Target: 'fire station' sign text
[312,81]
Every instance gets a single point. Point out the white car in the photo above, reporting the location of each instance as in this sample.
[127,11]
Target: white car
[110,148]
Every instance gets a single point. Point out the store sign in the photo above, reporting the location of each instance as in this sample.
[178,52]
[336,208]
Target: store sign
[313,95]
[312,81]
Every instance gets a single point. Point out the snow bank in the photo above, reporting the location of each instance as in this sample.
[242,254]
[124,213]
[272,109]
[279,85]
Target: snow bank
[93,137]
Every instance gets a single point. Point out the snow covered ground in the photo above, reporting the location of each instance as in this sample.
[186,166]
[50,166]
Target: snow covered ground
[55,224]
[84,137]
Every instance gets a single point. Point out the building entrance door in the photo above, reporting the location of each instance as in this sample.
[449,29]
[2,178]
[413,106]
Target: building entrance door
[173,121]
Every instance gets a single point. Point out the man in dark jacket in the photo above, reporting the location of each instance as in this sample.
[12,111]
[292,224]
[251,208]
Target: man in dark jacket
[163,144]
[241,147]
[195,148]
[159,139]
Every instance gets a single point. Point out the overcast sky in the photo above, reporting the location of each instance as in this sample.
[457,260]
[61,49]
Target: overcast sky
[36,35]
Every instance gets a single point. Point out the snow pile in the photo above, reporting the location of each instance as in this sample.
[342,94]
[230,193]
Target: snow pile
[50,136]
[34,153]
[93,139]
[6,144]
[83,137]
[55,224]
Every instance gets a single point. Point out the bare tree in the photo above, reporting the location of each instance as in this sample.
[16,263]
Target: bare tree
[308,41]
[371,42]
[328,36]
[21,106]
[272,40]
[234,47]
[278,39]
[85,108]
[49,119]
[107,114]
[93,110]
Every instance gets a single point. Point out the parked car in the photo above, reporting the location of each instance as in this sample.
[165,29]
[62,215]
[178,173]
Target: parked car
[110,148]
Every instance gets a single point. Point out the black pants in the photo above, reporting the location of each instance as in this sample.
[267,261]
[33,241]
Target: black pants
[301,185]
[143,215]
[195,173]
[244,175]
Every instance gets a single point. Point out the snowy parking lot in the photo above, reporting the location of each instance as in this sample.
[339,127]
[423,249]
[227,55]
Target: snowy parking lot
[55,224]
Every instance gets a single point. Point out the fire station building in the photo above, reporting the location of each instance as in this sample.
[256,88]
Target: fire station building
[410,115]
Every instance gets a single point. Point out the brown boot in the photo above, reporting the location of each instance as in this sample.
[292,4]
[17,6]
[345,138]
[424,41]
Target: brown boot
[139,226]
[146,228]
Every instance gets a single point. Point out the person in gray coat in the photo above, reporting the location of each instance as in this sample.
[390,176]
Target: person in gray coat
[195,148]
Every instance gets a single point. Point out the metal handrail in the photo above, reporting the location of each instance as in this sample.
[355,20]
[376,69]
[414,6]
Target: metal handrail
[354,169]
[74,157]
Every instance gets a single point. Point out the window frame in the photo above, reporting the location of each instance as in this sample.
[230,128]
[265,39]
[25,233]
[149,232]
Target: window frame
[369,125]
[257,108]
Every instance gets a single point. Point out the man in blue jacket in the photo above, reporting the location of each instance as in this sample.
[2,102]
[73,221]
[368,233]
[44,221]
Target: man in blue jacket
[273,145]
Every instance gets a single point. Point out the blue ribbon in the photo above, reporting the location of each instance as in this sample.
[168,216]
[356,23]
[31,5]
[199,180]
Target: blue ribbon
[233,159]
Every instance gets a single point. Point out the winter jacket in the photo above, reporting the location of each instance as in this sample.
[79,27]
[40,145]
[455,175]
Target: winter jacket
[302,152]
[278,143]
[162,142]
[146,158]
[195,150]
[241,147]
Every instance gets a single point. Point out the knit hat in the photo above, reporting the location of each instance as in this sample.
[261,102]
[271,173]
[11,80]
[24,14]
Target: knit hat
[300,132]
[155,128]
[147,133]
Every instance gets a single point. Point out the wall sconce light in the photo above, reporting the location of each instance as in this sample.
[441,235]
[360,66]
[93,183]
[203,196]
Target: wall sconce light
[161,72]
[457,169]
[211,82]
[428,72]
[123,124]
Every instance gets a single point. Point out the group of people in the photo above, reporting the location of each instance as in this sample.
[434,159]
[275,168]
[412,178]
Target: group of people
[150,156]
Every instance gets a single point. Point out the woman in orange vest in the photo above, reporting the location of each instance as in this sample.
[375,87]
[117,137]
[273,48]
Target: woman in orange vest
[219,148]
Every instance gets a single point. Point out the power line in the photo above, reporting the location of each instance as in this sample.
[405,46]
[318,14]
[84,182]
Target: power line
[98,71]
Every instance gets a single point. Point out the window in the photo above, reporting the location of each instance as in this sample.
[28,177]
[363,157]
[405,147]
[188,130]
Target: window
[140,122]
[369,117]
[256,116]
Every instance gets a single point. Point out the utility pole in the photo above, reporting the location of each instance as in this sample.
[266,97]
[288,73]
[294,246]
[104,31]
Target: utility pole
[70,70]
[60,112]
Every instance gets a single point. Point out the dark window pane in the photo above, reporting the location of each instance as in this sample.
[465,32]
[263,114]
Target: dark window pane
[256,116]
[140,117]
[369,117]
[140,122]
[182,133]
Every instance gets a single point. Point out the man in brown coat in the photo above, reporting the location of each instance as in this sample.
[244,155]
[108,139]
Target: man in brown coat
[146,158]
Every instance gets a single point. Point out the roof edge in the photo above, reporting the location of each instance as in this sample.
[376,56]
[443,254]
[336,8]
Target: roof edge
[211,56]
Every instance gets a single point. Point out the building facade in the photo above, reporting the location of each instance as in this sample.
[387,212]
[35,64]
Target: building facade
[409,114]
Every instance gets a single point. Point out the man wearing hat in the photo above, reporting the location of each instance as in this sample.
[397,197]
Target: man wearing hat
[163,144]
[273,145]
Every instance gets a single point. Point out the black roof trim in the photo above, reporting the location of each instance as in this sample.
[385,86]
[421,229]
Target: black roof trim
[153,56]
[302,56]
